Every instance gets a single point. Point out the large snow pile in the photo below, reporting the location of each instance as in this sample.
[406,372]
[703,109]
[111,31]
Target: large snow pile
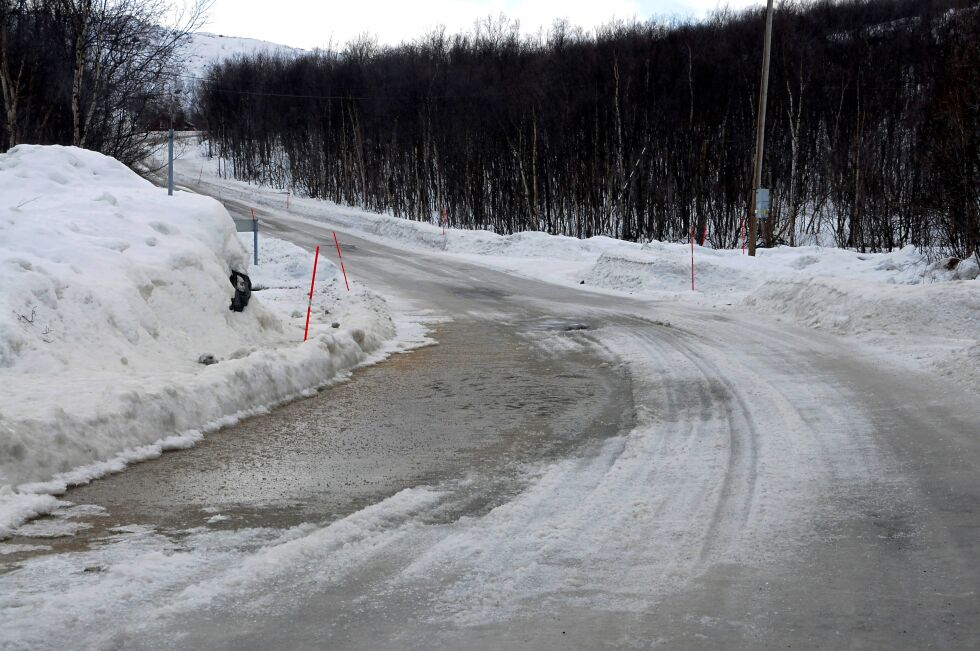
[935,326]
[666,267]
[111,293]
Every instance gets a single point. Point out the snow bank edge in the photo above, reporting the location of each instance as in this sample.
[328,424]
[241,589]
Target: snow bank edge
[289,374]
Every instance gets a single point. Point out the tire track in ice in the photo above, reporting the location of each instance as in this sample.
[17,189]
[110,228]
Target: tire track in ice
[733,451]
[811,441]
[722,467]
[736,490]
[638,519]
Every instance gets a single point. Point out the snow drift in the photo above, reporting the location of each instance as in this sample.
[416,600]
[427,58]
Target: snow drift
[111,292]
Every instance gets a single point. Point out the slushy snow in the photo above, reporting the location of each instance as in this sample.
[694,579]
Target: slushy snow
[112,291]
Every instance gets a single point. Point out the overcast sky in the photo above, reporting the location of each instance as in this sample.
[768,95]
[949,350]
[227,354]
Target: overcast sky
[312,23]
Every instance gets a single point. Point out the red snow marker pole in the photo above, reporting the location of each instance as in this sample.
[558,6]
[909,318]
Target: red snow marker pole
[443,223]
[743,235]
[692,257]
[341,258]
[309,306]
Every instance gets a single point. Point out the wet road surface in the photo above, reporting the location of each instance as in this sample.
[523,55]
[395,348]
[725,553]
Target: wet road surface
[667,475]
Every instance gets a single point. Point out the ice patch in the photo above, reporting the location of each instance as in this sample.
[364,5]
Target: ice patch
[50,528]
[140,580]
[8,548]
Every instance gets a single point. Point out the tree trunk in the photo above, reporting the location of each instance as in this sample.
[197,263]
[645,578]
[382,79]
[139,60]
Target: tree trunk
[9,87]
[84,11]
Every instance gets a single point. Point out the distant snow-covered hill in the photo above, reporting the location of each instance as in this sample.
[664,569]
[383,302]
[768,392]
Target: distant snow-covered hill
[202,49]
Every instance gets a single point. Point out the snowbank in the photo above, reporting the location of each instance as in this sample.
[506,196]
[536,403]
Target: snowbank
[666,267]
[601,261]
[881,297]
[914,310]
[111,292]
[859,307]
[936,324]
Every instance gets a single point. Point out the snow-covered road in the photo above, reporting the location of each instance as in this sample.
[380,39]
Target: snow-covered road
[776,486]
[567,469]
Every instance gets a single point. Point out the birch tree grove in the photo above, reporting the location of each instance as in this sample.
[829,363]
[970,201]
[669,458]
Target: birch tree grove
[638,130]
[90,73]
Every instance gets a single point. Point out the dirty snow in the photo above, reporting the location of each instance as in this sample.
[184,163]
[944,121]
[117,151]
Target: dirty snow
[614,530]
[112,292]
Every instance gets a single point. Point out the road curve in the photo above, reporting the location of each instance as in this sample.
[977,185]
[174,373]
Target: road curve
[776,487]
[668,475]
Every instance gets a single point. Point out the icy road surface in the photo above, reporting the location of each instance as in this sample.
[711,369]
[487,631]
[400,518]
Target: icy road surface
[564,470]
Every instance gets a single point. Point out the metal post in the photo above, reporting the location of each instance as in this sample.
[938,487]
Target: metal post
[255,238]
[170,163]
[760,132]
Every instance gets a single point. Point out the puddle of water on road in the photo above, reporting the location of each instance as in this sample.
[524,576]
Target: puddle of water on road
[481,405]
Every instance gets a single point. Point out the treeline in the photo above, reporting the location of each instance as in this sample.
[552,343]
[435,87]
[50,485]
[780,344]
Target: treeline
[98,74]
[636,131]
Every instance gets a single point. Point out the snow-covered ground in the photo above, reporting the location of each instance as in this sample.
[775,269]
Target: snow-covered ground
[202,49]
[113,292]
[909,308]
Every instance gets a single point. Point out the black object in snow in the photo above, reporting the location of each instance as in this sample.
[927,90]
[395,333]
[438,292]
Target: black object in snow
[243,291]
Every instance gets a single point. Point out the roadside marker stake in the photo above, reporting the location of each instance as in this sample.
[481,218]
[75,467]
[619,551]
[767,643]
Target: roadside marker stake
[443,223]
[255,237]
[309,306]
[341,258]
[692,257]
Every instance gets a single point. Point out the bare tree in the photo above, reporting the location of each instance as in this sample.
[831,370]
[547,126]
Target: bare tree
[638,130]
[103,68]
[9,83]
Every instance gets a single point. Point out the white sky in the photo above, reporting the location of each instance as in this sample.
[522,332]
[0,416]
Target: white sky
[312,23]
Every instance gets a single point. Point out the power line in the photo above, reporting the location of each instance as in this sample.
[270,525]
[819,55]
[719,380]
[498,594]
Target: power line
[485,94]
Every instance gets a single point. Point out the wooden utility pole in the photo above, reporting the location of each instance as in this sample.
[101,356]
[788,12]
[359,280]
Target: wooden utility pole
[760,132]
